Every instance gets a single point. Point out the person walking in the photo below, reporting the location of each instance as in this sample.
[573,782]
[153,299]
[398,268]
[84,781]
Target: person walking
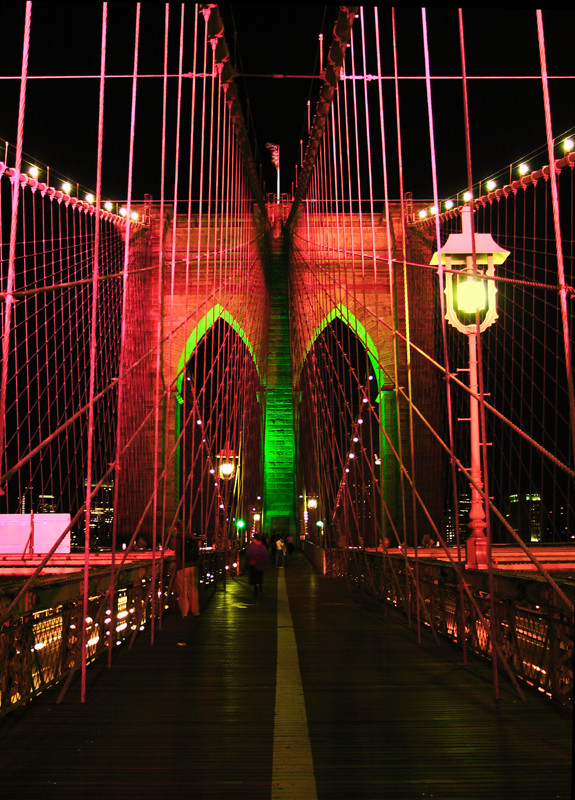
[187,551]
[280,552]
[258,559]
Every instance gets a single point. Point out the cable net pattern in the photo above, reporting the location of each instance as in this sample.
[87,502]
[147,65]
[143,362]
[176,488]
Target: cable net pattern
[418,433]
[136,357]
[134,362]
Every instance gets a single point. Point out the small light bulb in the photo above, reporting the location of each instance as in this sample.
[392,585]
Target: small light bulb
[134,216]
[66,187]
[468,196]
[523,169]
[568,145]
[123,211]
[33,172]
[89,197]
[448,204]
[423,213]
[108,206]
[490,186]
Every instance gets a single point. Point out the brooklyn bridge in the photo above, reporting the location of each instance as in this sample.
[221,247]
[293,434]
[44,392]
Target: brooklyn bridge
[301,276]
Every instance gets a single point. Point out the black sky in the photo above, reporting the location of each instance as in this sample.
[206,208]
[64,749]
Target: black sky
[506,116]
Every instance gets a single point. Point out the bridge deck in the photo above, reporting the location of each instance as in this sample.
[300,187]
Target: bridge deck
[194,716]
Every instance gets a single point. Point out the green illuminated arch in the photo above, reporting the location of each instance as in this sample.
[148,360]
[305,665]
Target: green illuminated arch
[203,326]
[355,325]
[386,399]
[201,329]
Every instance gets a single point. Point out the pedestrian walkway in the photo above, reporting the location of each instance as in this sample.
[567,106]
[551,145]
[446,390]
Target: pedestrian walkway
[360,711]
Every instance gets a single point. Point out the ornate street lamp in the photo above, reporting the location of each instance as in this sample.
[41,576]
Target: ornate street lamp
[470,260]
[226,462]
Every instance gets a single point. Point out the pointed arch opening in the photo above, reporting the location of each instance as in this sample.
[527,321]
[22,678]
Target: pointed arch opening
[349,479]
[218,420]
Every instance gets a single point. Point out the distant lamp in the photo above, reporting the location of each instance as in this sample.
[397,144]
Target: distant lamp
[468,196]
[108,206]
[312,502]
[568,145]
[33,172]
[449,204]
[523,169]
[123,211]
[66,187]
[470,259]
[227,469]
[89,197]
[240,524]
[491,186]
[226,462]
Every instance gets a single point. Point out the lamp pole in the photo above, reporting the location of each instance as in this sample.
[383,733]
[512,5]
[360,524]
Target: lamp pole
[470,260]
[477,541]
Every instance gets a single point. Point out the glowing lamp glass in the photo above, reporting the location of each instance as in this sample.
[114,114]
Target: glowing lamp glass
[123,211]
[468,196]
[66,187]
[312,503]
[449,204]
[568,145]
[226,469]
[523,169]
[490,186]
[471,296]
[89,198]
[108,206]
[34,172]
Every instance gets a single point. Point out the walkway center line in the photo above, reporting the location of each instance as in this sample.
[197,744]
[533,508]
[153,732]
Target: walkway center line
[293,774]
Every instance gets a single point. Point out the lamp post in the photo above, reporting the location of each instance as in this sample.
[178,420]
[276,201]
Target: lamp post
[470,259]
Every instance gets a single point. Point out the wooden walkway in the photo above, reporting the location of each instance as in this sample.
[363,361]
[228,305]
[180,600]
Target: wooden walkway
[196,715]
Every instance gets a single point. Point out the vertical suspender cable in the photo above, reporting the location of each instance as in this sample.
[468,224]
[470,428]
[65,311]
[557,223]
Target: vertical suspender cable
[93,355]
[561,284]
[9,298]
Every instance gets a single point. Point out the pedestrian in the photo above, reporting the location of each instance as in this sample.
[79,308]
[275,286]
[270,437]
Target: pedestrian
[280,551]
[258,559]
[187,550]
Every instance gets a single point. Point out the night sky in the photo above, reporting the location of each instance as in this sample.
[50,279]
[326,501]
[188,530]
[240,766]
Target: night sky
[61,115]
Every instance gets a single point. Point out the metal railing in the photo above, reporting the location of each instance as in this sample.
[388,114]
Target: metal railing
[43,647]
[534,634]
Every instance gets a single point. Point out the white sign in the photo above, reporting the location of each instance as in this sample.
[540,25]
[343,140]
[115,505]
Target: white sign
[33,534]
